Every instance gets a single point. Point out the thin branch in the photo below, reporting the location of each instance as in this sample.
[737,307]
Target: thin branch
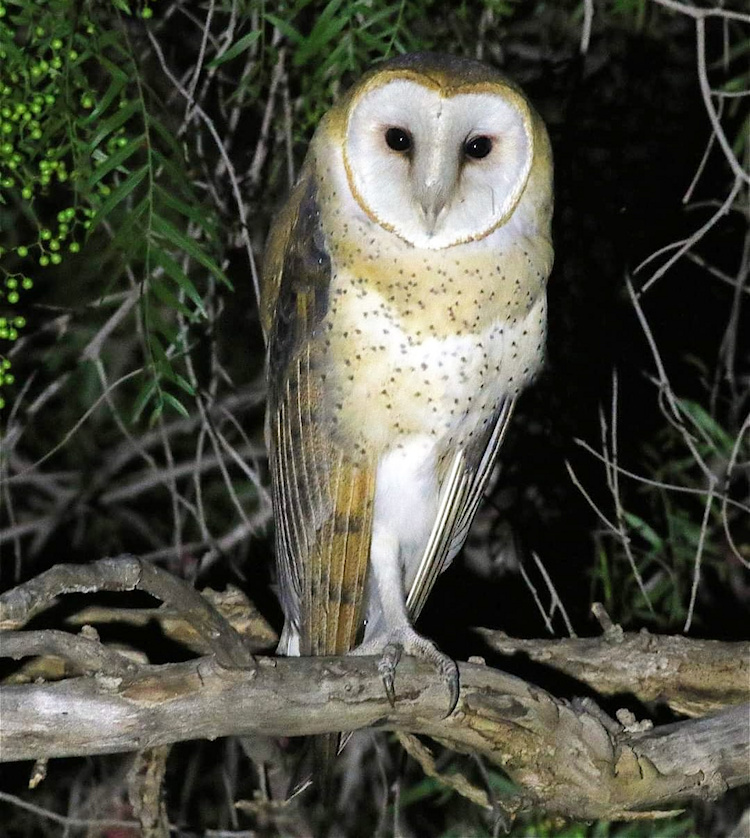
[700,32]
[555,601]
[207,121]
[85,654]
[698,557]
[686,244]
[660,484]
[588,19]
[63,820]
[700,13]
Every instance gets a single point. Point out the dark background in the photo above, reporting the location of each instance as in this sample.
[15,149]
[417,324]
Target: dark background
[629,130]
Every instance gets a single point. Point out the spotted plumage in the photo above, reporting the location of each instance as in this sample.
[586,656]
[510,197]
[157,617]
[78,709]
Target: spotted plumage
[404,307]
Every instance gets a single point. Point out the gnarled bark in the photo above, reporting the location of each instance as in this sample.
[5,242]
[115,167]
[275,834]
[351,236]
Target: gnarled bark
[569,758]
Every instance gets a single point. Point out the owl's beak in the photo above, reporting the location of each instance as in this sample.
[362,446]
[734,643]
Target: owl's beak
[435,177]
[431,204]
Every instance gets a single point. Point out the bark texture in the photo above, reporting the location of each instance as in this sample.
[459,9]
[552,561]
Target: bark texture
[569,758]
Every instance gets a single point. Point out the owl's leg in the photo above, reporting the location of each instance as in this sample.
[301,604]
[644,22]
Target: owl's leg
[397,635]
[406,501]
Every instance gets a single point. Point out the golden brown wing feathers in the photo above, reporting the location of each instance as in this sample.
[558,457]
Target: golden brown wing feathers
[323,497]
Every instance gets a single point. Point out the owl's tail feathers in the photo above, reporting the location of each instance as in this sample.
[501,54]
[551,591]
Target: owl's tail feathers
[289,641]
[314,775]
[325,749]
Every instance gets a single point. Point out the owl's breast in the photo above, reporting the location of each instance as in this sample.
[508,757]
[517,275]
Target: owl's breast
[391,376]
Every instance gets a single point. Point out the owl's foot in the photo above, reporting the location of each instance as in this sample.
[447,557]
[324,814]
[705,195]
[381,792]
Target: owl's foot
[406,640]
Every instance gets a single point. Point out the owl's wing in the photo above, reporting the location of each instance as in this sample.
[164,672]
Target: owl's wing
[323,498]
[461,494]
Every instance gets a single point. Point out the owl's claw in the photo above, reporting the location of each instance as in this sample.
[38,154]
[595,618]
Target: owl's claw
[414,644]
[387,669]
[449,673]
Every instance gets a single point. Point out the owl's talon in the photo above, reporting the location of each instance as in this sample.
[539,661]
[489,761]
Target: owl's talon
[387,669]
[449,673]
[413,644]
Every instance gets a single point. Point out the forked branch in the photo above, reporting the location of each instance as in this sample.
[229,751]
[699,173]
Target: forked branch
[568,758]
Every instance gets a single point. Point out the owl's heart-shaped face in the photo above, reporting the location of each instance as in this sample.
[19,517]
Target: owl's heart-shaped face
[437,165]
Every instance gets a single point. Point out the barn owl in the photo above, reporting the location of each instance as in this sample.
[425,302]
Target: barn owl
[403,304]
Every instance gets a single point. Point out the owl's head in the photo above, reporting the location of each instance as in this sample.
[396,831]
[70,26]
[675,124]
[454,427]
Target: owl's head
[439,150]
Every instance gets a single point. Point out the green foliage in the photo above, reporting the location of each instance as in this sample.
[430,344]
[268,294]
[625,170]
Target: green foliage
[90,169]
[678,523]
[331,42]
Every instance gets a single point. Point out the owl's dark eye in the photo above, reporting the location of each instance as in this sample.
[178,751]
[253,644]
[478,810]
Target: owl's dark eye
[398,139]
[478,147]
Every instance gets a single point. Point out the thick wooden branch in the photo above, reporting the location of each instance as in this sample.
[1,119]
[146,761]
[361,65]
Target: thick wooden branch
[569,758]
[127,573]
[694,677]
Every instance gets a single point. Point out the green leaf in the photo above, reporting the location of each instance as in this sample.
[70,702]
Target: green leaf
[157,411]
[285,28]
[163,294]
[129,235]
[114,160]
[325,30]
[157,351]
[175,272]
[119,195]
[239,46]
[170,142]
[182,242]
[644,530]
[196,214]
[118,82]
[182,382]
[707,425]
[176,404]
[143,398]
[117,120]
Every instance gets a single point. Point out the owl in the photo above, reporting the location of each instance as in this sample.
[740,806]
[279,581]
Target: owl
[403,304]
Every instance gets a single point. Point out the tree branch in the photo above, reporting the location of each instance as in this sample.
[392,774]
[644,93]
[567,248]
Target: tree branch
[568,757]
[694,677]
[127,573]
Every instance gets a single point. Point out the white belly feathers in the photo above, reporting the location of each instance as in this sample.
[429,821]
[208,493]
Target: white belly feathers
[390,385]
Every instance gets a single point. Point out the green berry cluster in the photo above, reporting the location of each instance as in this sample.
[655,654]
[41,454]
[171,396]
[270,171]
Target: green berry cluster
[75,133]
[41,69]
[6,376]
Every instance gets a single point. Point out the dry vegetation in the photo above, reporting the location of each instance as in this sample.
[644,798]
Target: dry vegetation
[145,150]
